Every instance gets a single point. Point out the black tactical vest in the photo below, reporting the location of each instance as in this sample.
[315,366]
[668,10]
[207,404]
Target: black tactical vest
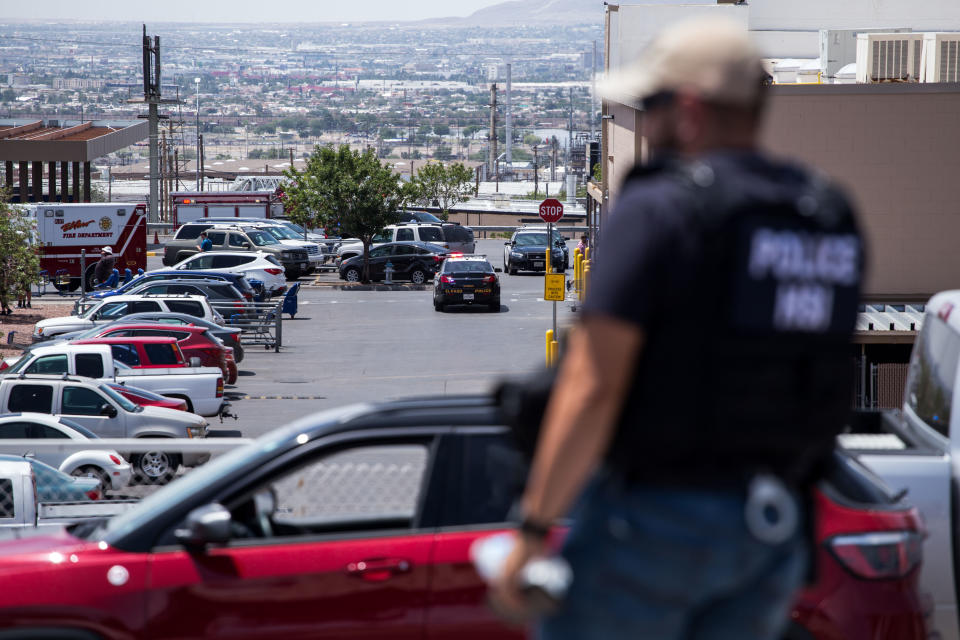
[761,379]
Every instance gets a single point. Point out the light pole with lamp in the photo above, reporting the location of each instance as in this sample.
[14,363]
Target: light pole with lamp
[197,82]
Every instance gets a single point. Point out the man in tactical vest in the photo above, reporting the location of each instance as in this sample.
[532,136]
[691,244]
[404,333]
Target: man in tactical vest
[701,392]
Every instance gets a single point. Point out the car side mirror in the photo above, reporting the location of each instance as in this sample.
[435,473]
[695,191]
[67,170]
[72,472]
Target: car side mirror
[245,245]
[108,410]
[497,270]
[566,239]
[507,243]
[195,362]
[209,524]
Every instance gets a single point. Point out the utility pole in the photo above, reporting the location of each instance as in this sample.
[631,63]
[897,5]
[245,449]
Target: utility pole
[569,134]
[200,172]
[509,131]
[536,171]
[493,127]
[151,95]
[593,93]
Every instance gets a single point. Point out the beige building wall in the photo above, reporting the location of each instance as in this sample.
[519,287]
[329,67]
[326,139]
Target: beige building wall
[894,147]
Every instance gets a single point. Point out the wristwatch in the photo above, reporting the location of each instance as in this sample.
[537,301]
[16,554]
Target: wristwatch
[534,528]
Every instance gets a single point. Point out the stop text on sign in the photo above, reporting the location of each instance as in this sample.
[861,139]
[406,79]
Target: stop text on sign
[551,210]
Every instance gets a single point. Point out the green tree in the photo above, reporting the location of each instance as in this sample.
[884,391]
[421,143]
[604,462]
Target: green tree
[19,263]
[442,186]
[531,139]
[441,129]
[345,188]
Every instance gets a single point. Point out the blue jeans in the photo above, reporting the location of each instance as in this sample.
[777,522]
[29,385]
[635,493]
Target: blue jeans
[673,563]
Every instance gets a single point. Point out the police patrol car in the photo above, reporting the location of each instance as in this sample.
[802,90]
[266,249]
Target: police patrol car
[466,280]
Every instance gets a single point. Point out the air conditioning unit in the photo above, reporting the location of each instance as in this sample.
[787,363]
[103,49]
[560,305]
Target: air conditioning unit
[941,57]
[838,47]
[889,57]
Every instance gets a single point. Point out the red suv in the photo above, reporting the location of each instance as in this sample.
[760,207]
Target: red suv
[356,523]
[194,342]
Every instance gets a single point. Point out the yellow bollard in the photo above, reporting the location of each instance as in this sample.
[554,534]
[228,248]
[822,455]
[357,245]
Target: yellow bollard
[548,349]
[577,256]
[586,278]
[548,261]
[554,348]
[586,253]
[578,276]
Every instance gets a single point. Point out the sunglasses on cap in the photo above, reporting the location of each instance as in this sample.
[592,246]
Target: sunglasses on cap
[658,100]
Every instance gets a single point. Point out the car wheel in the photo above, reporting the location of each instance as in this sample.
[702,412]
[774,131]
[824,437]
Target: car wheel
[90,471]
[89,277]
[418,276]
[237,352]
[352,274]
[495,306]
[437,305]
[156,467]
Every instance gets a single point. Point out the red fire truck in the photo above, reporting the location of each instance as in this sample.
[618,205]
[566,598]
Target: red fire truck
[65,229]
[194,205]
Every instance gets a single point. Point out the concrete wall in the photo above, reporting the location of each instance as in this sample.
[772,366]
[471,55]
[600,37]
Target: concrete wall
[895,147]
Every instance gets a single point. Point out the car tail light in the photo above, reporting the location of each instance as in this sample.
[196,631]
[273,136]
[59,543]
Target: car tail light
[489,279]
[4,365]
[93,494]
[456,254]
[878,555]
[248,296]
[274,271]
[446,279]
[219,387]
[115,459]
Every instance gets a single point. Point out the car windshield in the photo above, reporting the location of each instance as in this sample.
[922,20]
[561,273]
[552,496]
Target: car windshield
[284,234]
[463,267]
[19,364]
[79,428]
[90,333]
[294,226]
[261,238]
[84,306]
[119,399]
[531,239]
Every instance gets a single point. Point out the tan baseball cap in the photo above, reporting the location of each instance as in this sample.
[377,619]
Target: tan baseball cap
[712,57]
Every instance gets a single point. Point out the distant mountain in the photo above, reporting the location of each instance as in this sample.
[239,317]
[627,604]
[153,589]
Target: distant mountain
[534,12]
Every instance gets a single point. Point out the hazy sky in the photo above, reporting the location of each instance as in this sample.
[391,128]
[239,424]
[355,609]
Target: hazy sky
[242,10]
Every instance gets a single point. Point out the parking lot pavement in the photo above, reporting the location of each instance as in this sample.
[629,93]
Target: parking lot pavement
[367,346]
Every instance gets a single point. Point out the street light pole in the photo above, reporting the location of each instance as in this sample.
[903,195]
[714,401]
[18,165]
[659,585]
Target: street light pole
[197,82]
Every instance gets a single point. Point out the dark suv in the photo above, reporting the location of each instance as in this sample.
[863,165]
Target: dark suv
[295,261]
[527,251]
[466,280]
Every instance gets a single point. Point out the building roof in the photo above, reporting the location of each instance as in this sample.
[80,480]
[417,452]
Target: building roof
[66,140]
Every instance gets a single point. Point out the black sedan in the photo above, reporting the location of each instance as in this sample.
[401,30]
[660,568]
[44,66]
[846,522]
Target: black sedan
[413,261]
[466,280]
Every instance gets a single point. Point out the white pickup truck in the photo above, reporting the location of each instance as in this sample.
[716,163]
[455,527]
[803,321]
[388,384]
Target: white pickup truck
[95,406]
[22,509]
[917,449]
[200,387]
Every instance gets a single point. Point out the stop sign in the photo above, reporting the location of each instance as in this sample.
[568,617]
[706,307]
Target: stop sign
[551,210]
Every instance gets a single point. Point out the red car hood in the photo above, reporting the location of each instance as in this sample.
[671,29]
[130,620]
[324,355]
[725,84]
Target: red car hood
[25,547]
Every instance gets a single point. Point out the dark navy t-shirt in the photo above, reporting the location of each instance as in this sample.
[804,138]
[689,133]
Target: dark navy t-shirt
[658,268]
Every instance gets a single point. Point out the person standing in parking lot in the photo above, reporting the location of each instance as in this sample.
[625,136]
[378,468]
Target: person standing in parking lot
[206,244]
[104,266]
[692,480]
